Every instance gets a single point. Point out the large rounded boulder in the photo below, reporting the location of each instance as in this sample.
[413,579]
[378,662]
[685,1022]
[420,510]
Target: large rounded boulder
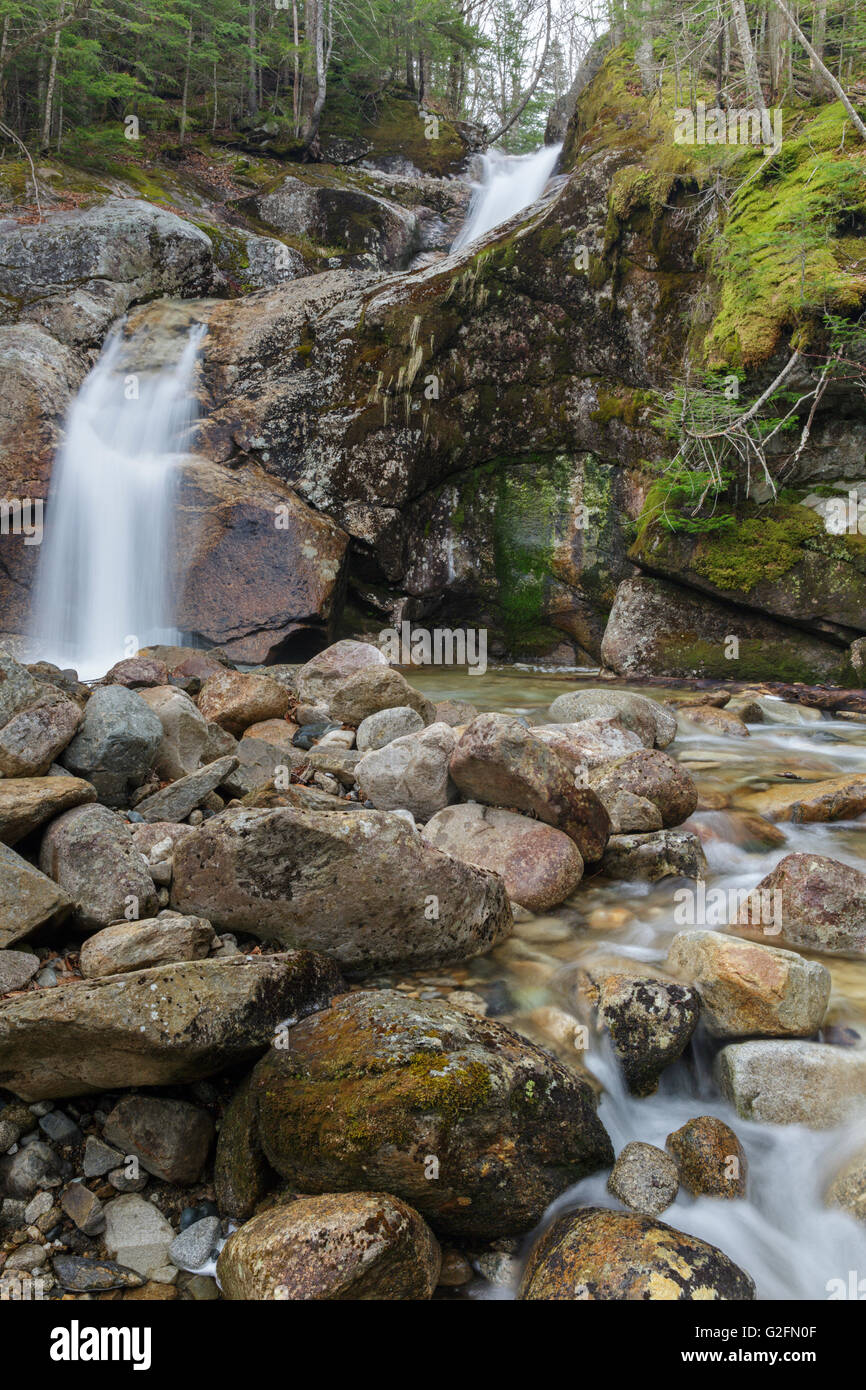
[596,1254]
[472,1124]
[352,1245]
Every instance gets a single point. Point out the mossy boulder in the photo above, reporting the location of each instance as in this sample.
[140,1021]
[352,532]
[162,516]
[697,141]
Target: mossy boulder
[595,1254]
[659,628]
[476,1127]
[779,559]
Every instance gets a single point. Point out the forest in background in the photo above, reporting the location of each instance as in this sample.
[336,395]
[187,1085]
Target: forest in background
[204,67]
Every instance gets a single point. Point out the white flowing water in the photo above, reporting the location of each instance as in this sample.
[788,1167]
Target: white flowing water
[782,1233]
[104,582]
[509,183]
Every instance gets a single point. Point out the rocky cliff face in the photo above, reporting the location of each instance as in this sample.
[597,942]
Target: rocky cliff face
[475,438]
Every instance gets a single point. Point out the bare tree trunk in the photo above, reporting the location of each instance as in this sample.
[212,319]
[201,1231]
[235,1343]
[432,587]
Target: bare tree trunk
[215,100]
[322,57]
[819,32]
[744,39]
[296,84]
[4,44]
[775,34]
[818,63]
[422,76]
[185,98]
[252,82]
[49,90]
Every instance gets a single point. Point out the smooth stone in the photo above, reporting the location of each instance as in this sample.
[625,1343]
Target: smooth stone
[710,1158]
[410,773]
[649,719]
[644,1178]
[540,865]
[386,725]
[193,1247]
[793,1082]
[748,990]
[654,775]
[234,700]
[818,902]
[142,945]
[116,745]
[27,802]
[89,851]
[356,1245]
[17,969]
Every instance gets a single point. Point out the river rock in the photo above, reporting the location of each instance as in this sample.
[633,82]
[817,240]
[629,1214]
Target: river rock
[717,721]
[234,700]
[257,763]
[171,1138]
[786,1083]
[541,866]
[196,1243]
[138,672]
[17,968]
[35,737]
[590,742]
[278,732]
[354,1245]
[655,725]
[457,713]
[650,1023]
[158,1027]
[81,1275]
[499,762]
[174,802]
[373,689]
[242,1174]
[28,898]
[386,725]
[654,855]
[416,1088]
[629,814]
[116,745]
[644,1178]
[27,802]
[137,1234]
[184,731]
[33,1168]
[833,798]
[410,773]
[654,775]
[597,1254]
[847,1188]
[821,906]
[18,689]
[710,1158]
[361,886]
[90,852]
[751,990]
[142,945]
[319,679]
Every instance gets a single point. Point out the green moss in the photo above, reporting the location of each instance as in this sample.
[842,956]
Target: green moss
[626,405]
[784,256]
[530,510]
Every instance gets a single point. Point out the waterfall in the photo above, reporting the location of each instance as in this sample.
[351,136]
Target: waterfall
[104,585]
[509,183]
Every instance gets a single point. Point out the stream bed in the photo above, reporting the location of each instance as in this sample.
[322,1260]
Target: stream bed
[782,1233]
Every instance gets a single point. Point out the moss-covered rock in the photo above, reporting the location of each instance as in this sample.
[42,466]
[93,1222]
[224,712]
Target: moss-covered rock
[659,628]
[474,1125]
[596,1254]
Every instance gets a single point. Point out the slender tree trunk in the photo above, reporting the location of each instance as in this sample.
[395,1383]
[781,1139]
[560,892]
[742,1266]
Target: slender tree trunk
[775,34]
[4,44]
[410,69]
[49,90]
[215,100]
[819,32]
[422,76]
[185,97]
[296,83]
[322,58]
[252,83]
[744,39]
[818,62]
